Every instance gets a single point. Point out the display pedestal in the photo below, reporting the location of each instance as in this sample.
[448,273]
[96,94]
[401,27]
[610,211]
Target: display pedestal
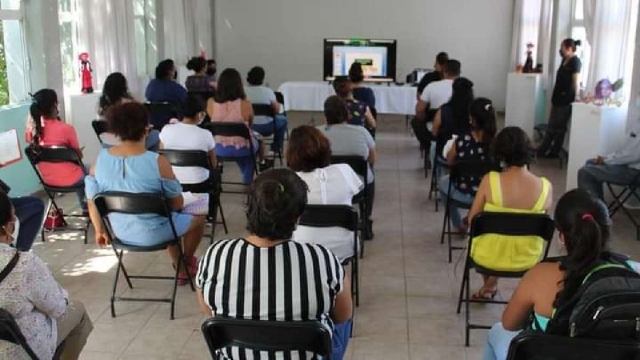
[525,102]
[81,110]
[595,131]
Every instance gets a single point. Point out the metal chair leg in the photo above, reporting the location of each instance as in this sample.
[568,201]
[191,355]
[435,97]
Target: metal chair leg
[44,220]
[224,221]
[115,283]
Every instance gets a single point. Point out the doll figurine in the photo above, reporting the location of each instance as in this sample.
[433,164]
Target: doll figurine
[85,73]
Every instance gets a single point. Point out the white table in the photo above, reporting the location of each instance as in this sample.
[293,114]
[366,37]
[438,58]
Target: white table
[310,96]
[595,131]
[525,102]
[81,110]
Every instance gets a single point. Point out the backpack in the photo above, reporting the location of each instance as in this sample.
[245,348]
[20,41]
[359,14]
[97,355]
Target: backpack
[607,305]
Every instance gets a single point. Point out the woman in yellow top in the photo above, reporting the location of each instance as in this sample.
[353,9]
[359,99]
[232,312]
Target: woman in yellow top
[514,190]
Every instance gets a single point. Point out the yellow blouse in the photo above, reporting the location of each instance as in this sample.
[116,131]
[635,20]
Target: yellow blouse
[504,252]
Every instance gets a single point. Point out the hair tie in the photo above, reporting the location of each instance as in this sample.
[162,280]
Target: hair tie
[281,188]
[587,216]
[487,107]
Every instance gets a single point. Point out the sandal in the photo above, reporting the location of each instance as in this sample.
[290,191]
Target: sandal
[484,294]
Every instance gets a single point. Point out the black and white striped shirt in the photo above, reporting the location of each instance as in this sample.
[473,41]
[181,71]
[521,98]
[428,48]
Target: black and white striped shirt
[287,282]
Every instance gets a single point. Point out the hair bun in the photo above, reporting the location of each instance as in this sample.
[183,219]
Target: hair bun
[578,42]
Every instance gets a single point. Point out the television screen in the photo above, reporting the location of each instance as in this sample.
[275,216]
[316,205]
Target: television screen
[378,58]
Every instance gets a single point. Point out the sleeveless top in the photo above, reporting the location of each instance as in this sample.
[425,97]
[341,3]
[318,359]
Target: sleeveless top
[504,252]
[229,112]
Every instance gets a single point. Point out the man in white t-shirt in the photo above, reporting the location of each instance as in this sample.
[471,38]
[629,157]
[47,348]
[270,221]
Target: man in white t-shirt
[259,94]
[187,135]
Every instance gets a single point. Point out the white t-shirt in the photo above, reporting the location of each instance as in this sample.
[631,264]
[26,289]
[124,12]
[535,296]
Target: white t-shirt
[260,95]
[334,185]
[437,93]
[182,136]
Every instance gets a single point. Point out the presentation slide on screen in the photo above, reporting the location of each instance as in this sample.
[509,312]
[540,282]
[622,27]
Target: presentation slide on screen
[372,58]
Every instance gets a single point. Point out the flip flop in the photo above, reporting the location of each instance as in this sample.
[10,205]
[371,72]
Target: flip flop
[484,294]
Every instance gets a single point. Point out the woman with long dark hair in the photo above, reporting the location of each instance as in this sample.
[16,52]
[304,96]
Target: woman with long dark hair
[584,226]
[453,117]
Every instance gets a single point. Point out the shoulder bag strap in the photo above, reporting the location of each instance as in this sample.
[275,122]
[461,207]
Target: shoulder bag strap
[12,263]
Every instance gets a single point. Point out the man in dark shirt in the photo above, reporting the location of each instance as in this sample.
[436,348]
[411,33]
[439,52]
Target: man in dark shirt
[419,122]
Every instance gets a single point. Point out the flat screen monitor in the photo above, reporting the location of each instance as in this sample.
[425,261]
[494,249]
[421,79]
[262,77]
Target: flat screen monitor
[378,58]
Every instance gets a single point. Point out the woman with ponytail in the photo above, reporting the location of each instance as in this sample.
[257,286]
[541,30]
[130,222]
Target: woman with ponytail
[583,224]
[45,128]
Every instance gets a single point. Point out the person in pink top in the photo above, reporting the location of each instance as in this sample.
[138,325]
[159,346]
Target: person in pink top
[231,105]
[44,128]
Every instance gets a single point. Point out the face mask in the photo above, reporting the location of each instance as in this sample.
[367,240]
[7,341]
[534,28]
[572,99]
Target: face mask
[561,53]
[175,75]
[211,71]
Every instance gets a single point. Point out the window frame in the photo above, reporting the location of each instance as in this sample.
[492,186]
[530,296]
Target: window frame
[25,65]
[149,19]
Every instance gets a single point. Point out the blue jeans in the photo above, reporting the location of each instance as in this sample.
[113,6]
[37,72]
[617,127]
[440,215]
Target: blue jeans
[497,345]
[267,130]
[591,177]
[456,220]
[242,157]
[30,211]
[340,339]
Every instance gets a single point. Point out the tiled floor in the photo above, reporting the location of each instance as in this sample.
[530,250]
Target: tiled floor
[409,290]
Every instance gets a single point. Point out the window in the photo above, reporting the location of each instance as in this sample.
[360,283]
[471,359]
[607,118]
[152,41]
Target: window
[14,77]
[69,48]
[579,32]
[144,12]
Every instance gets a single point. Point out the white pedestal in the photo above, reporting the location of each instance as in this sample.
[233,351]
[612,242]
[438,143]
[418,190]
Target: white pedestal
[524,95]
[82,109]
[595,131]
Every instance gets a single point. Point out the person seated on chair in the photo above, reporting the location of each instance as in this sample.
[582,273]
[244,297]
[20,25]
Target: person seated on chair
[419,123]
[474,144]
[621,167]
[453,117]
[514,190]
[130,167]
[350,140]
[259,94]
[276,201]
[309,154]
[584,231]
[30,213]
[116,91]
[187,135]
[359,112]
[164,88]
[199,82]
[45,128]
[40,306]
[360,92]
[230,105]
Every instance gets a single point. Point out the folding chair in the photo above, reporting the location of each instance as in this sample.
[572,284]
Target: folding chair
[10,332]
[434,188]
[360,166]
[211,186]
[623,196]
[323,216]
[267,110]
[99,127]
[270,336]
[280,99]
[530,345]
[510,224]
[541,130]
[233,129]
[136,204]
[460,170]
[57,154]
[161,112]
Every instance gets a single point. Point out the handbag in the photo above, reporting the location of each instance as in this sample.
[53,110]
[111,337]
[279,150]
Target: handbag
[55,219]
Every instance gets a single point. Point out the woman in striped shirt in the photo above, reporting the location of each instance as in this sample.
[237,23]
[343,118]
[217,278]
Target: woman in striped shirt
[266,276]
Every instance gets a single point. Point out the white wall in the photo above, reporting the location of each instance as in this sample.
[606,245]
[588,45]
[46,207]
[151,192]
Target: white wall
[285,36]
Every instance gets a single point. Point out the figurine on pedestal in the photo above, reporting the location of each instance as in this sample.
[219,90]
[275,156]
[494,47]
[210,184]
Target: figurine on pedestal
[85,73]
[528,65]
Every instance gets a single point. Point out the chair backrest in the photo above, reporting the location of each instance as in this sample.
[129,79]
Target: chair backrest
[99,127]
[37,154]
[357,163]
[343,216]
[10,331]
[195,158]
[229,129]
[263,110]
[279,97]
[161,112]
[539,346]
[288,336]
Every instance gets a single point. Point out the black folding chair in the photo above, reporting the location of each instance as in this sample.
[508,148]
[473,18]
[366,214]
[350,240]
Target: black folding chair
[434,188]
[510,224]
[271,336]
[55,154]
[211,186]
[10,332]
[541,131]
[233,129]
[267,110]
[619,198]
[323,216]
[136,204]
[99,127]
[161,113]
[280,99]
[360,166]
[461,170]
[530,345]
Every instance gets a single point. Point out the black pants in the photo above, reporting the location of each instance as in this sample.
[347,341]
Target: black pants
[556,130]
[370,198]
[419,126]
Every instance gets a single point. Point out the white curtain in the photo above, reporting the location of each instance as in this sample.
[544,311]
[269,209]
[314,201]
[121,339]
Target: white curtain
[187,29]
[526,29]
[106,32]
[611,31]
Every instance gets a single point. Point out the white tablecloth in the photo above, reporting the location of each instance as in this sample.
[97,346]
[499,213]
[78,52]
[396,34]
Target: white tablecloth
[310,96]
